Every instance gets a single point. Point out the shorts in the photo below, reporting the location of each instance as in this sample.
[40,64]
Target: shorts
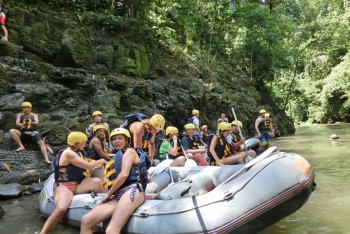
[265,139]
[2,18]
[121,192]
[32,135]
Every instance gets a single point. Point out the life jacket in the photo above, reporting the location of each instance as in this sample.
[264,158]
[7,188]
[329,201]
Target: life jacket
[194,143]
[92,152]
[205,136]
[131,118]
[264,125]
[159,142]
[73,173]
[235,138]
[222,148]
[138,172]
[27,121]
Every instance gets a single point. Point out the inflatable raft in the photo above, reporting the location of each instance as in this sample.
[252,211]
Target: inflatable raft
[239,198]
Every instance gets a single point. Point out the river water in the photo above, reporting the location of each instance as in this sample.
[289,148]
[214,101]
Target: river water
[326,211]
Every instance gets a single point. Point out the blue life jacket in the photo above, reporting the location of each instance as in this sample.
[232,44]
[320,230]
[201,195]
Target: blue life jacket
[138,172]
[73,173]
[94,155]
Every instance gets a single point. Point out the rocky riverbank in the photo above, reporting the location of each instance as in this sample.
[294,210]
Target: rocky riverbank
[67,71]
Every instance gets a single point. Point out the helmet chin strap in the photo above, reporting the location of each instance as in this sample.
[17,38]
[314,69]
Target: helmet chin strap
[146,126]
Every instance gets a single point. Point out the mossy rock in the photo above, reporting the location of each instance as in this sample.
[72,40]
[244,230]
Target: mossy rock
[7,48]
[105,56]
[116,83]
[76,49]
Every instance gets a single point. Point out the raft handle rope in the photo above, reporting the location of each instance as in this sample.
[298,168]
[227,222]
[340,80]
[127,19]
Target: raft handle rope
[227,195]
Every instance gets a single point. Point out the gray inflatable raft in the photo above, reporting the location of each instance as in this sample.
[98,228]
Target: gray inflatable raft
[229,199]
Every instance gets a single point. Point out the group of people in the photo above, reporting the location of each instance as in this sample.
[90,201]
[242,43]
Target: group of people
[80,168]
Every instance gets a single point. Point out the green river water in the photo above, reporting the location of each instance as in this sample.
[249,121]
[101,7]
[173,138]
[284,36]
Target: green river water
[326,211]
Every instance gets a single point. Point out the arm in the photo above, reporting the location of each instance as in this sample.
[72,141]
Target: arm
[151,147]
[73,158]
[109,141]
[36,120]
[18,124]
[257,122]
[173,151]
[89,130]
[129,158]
[213,143]
[96,145]
[196,151]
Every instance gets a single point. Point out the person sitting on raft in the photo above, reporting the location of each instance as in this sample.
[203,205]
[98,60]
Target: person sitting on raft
[236,142]
[219,150]
[27,123]
[191,146]
[143,133]
[97,117]
[125,193]
[71,177]
[172,147]
[98,150]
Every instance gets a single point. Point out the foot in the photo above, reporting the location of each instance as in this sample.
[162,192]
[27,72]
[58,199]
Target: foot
[4,39]
[19,149]
[48,162]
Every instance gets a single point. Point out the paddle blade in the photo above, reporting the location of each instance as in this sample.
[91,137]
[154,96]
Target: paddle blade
[49,149]
[190,163]
[7,167]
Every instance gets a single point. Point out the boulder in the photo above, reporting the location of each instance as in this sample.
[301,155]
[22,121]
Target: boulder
[105,56]
[8,191]
[8,48]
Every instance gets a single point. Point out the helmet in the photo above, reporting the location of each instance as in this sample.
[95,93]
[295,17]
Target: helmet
[334,136]
[223,126]
[157,121]
[262,111]
[75,137]
[204,126]
[120,131]
[189,126]
[96,113]
[195,112]
[267,115]
[171,130]
[237,122]
[26,104]
[99,126]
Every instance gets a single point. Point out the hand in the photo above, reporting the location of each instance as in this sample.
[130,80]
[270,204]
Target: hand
[174,138]
[102,161]
[242,141]
[105,199]
[259,135]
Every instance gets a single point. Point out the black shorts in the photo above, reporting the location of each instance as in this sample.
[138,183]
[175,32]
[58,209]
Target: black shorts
[32,135]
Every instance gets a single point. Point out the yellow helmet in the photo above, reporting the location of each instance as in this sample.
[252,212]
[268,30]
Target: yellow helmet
[171,130]
[223,126]
[237,122]
[262,111]
[99,126]
[204,126]
[96,113]
[194,112]
[267,115]
[26,104]
[75,137]
[157,121]
[189,126]
[120,131]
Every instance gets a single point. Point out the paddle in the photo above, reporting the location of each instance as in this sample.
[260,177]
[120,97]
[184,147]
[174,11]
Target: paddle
[7,167]
[189,162]
[171,174]
[239,129]
[259,158]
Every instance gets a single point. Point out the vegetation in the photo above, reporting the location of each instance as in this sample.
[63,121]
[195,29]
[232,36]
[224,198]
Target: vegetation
[295,50]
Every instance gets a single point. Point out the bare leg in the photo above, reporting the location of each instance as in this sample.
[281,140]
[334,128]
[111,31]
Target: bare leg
[123,210]
[234,159]
[88,185]
[43,150]
[178,161]
[200,158]
[16,136]
[97,215]
[63,196]
[4,29]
